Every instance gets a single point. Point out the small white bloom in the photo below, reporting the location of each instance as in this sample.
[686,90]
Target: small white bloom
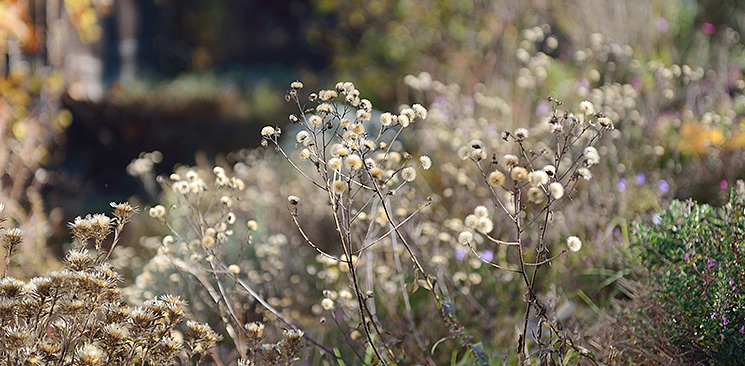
[425,161]
[465,237]
[556,189]
[574,243]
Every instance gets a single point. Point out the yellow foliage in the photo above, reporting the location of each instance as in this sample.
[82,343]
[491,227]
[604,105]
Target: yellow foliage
[696,138]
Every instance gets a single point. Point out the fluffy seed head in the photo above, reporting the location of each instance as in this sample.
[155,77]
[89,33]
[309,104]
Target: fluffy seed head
[267,131]
[574,243]
[465,237]
[519,173]
[556,189]
[496,178]
[537,178]
[408,174]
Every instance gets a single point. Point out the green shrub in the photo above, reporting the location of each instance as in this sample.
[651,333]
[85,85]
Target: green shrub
[696,257]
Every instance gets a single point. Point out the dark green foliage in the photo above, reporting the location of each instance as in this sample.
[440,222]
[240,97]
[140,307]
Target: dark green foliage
[696,257]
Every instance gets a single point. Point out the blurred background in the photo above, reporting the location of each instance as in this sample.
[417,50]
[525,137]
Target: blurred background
[88,86]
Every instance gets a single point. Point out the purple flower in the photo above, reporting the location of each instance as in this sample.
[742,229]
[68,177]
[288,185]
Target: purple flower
[637,83]
[662,25]
[621,185]
[487,255]
[689,255]
[713,315]
[723,184]
[742,329]
[641,178]
[724,320]
[711,265]
[663,186]
[543,109]
[460,253]
[708,28]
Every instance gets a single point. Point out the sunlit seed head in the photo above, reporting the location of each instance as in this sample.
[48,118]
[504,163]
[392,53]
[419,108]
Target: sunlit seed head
[574,244]
[481,211]
[536,195]
[354,162]
[465,237]
[386,119]
[252,225]
[293,200]
[519,173]
[591,156]
[339,187]
[464,152]
[234,269]
[420,111]
[537,178]
[584,173]
[550,170]
[403,120]
[496,178]
[510,160]
[606,122]
[521,134]
[425,161]
[296,85]
[471,221]
[157,212]
[304,154]
[267,131]
[358,128]
[327,303]
[477,154]
[325,108]
[556,189]
[587,107]
[485,225]
[327,94]
[302,136]
[315,121]
[408,174]
[377,172]
[335,163]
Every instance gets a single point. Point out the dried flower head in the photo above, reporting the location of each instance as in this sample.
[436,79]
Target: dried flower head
[123,212]
[465,237]
[556,189]
[339,187]
[574,244]
[519,173]
[587,108]
[521,134]
[496,178]
[591,156]
[536,195]
[296,85]
[425,161]
[510,160]
[408,174]
[157,212]
[537,178]
[268,131]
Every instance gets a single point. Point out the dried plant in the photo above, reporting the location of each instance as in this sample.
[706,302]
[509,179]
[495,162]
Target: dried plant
[77,315]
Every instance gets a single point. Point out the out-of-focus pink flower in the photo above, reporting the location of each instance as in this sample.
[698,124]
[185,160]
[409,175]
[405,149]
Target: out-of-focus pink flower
[708,28]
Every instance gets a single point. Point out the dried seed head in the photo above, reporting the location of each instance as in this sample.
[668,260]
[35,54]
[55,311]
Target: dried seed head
[12,238]
[123,212]
[89,354]
[519,173]
[496,178]
[78,260]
